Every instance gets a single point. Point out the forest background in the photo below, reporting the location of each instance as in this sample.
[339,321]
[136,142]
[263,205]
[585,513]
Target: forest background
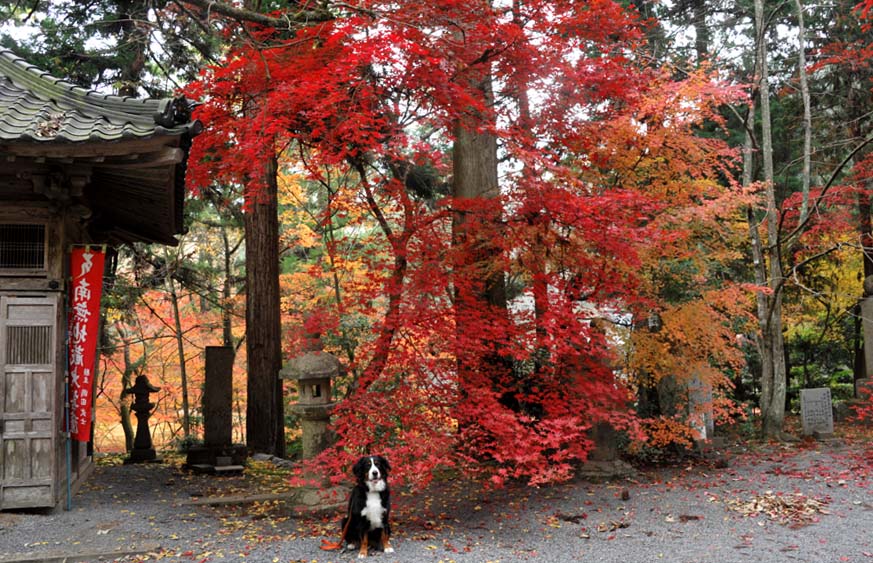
[511,221]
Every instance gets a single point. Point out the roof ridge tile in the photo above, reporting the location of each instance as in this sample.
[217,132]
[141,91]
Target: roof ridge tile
[101,116]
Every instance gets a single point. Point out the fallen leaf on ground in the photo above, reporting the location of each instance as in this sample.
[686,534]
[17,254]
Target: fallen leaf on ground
[795,509]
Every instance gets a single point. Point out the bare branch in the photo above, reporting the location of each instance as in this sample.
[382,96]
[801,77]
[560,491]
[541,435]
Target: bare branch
[242,15]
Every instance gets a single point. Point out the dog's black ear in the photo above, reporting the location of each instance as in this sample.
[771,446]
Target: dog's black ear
[360,468]
[383,463]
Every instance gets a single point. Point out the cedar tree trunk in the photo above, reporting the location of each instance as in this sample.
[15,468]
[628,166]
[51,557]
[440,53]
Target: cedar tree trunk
[264,408]
[480,286]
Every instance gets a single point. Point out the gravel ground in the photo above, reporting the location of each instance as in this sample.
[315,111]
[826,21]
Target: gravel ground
[805,502]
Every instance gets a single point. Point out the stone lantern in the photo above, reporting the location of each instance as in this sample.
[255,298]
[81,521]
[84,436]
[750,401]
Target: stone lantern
[313,371]
[143,450]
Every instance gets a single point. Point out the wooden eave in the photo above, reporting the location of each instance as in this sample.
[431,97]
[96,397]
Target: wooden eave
[123,159]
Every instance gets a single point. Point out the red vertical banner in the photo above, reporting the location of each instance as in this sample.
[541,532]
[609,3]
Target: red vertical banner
[86,272]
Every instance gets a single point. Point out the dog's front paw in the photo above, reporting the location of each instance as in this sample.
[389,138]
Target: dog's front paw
[389,550]
[362,556]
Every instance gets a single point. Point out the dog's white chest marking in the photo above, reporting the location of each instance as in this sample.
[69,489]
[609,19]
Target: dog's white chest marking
[374,511]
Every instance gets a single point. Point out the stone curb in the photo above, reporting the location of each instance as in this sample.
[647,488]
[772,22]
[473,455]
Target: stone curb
[298,502]
[82,557]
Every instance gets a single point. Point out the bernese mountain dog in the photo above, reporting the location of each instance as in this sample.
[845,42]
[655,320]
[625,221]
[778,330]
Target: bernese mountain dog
[369,507]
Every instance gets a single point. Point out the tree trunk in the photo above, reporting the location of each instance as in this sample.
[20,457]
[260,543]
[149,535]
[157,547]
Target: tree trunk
[329,237]
[701,30]
[126,383]
[180,346]
[807,111]
[265,417]
[860,365]
[264,405]
[474,169]
[133,45]
[480,287]
[773,380]
[537,259]
[857,109]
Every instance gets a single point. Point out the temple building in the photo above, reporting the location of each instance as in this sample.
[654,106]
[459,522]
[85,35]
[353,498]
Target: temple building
[77,167]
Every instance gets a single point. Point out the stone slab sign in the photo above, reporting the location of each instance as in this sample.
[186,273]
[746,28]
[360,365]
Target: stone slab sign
[700,407]
[218,397]
[816,411]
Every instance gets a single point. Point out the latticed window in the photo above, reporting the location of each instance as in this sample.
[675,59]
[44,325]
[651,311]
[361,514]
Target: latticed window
[29,345]
[22,246]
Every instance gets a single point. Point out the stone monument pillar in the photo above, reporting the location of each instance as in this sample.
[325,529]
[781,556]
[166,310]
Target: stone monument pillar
[218,454]
[218,397]
[313,371]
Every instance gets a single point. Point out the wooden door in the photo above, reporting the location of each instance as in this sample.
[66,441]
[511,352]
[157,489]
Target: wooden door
[28,377]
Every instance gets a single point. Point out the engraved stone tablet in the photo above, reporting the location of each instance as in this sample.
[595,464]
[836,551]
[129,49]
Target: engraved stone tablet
[816,411]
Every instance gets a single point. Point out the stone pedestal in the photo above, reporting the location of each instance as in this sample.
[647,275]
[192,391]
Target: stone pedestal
[314,420]
[603,463]
[698,409]
[605,440]
[214,459]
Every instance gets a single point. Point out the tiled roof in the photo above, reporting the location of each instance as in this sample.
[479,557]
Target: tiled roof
[122,159]
[34,106]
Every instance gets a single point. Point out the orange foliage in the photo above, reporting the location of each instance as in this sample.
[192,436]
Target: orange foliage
[662,431]
[148,334]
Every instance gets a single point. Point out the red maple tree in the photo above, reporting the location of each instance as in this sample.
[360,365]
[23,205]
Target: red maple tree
[484,353]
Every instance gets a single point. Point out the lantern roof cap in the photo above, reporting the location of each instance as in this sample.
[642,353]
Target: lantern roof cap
[312,365]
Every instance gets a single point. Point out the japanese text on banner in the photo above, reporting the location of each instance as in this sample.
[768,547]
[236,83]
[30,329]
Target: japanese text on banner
[86,269]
